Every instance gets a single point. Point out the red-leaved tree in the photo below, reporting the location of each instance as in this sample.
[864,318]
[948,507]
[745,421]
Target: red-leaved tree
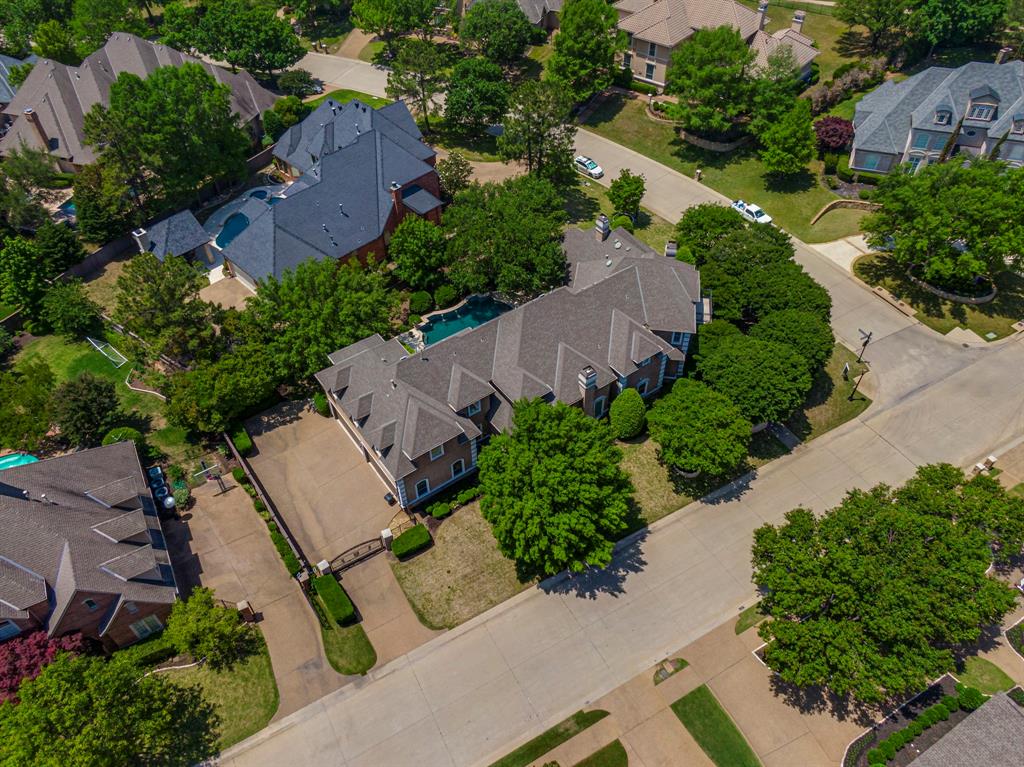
[23,658]
[834,133]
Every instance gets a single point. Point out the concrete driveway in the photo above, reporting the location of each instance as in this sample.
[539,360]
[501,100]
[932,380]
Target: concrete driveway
[327,493]
[339,72]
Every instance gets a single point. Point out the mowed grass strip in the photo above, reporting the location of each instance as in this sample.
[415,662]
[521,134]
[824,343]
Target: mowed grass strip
[551,739]
[749,618]
[612,755]
[716,734]
[348,649]
[985,675]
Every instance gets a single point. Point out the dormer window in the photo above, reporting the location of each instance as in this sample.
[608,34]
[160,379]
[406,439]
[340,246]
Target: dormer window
[982,112]
[473,409]
[1018,124]
[943,118]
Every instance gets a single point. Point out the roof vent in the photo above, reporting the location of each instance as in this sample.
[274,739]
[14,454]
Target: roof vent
[618,244]
[393,384]
[607,260]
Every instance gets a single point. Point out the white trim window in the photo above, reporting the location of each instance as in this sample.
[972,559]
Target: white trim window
[599,408]
[473,409]
[436,452]
[981,112]
[422,488]
[943,117]
[458,468]
[677,338]
[146,626]
[920,141]
[649,71]
[1018,125]
[652,50]
[641,386]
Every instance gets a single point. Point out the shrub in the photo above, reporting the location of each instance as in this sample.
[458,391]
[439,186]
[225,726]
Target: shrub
[914,729]
[888,748]
[411,541]
[291,562]
[296,82]
[832,182]
[833,133]
[1017,696]
[259,505]
[242,440]
[628,414]
[154,650]
[927,717]
[971,698]
[445,296]
[624,221]
[249,489]
[951,702]
[420,302]
[439,510]
[831,161]
[898,739]
[875,756]
[337,602]
[320,404]
[25,656]
[182,496]
[123,434]
[238,473]
[468,495]
[645,88]
[941,712]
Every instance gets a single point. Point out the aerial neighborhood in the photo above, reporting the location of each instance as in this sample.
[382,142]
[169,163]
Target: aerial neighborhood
[512,383]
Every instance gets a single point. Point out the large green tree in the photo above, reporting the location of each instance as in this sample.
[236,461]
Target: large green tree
[23,276]
[940,220]
[506,237]
[809,335]
[477,95]
[778,83]
[25,404]
[390,19]
[789,142]
[538,130]
[105,210]
[18,20]
[698,430]
[875,598]
[58,246]
[93,21]
[317,308]
[496,29]
[418,74]
[884,20]
[54,40]
[553,489]
[26,176]
[85,408]
[626,192]
[586,45]
[249,35]
[169,133]
[203,629]
[712,75]
[956,22]
[418,249]
[701,226]
[765,379]
[159,301]
[69,310]
[88,710]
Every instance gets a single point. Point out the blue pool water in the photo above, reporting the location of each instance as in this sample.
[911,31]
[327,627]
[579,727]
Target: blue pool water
[476,311]
[70,208]
[16,459]
[259,194]
[234,226]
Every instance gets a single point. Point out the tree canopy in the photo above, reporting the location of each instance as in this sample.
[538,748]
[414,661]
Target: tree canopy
[699,429]
[586,45]
[390,19]
[203,629]
[626,192]
[454,174]
[874,598]
[506,237]
[701,226]
[538,130]
[940,220]
[25,176]
[25,404]
[418,249]
[68,309]
[789,143]
[477,94]
[87,710]
[85,408]
[768,381]
[628,414]
[553,489]
[23,276]
[418,74]
[93,21]
[496,29]
[809,335]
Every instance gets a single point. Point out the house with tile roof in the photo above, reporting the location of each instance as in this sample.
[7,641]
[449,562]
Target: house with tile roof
[656,27]
[625,320]
[82,548]
[49,109]
[976,109]
[358,172]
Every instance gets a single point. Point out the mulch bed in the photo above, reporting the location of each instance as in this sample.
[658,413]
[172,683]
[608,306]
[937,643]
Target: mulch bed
[905,714]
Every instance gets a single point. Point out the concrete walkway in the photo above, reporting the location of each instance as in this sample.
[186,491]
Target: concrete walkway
[224,545]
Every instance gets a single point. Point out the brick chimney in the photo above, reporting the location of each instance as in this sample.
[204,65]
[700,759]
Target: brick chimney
[762,14]
[798,21]
[141,237]
[33,118]
[587,379]
[396,199]
[602,228]
[1003,55]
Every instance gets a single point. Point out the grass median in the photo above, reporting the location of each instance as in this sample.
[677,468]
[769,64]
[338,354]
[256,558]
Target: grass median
[551,739]
[717,735]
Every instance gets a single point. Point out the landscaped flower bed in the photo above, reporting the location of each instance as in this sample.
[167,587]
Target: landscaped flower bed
[1015,636]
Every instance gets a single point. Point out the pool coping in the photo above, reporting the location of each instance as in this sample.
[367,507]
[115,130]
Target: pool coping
[414,338]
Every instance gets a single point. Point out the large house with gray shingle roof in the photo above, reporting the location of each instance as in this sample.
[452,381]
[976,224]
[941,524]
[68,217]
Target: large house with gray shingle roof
[48,111]
[7,88]
[992,735]
[625,319]
[81,548]
[979,106]
[359,171]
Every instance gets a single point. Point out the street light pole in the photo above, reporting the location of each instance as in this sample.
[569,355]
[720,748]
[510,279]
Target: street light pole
[866,338]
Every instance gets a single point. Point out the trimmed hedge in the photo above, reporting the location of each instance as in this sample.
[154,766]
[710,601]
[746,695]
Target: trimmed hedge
[439,510]
[238,473]
[468,495]
[150,651]
[628,414]
[320,404]
[885,751]
[337,602]
[970,698]
[411,541]
[291,562]
[242,440]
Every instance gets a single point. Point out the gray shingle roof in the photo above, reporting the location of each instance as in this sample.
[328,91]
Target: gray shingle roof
[61,95]
[344,200]
[66,539]
[536,350]
[177,235]
[885,116]
[993,736]
[7,90]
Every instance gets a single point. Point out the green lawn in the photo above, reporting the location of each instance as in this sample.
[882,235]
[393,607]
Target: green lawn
[551,739]
[749,618]
[1017,490]
[996,317]
[714,731]
[331,32]
[245,696]
[371,51]
[588,198]
[792,202]
[985,675]
[7,309]
[344,95]
[612,755]
[474,148]
[539,56]
[348,649]
[829,405]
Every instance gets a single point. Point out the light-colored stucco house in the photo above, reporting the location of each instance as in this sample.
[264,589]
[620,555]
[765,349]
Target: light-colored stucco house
[625,320]
[654,29]
[976,109]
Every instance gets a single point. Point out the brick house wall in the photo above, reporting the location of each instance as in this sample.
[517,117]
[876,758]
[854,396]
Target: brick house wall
[120,634]
[438,472]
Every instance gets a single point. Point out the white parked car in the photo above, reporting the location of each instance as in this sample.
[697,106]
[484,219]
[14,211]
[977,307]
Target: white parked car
[751,212]
[588,167]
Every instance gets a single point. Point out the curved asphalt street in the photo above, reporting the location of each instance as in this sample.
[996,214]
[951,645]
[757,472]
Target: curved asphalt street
[472,694]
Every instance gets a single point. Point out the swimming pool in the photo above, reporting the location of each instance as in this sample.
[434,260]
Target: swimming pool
[69,207]
[234,226]
[259,194]
[476,311]
[16,459]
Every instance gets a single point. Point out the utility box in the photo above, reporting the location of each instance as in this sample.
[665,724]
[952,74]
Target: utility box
[246,611]
[387,537]
[323,567]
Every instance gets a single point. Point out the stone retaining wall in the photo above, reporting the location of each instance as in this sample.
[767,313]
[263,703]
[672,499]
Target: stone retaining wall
[713,146]
[956,297]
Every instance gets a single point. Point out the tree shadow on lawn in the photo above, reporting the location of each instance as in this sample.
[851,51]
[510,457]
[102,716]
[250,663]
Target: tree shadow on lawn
[822,387]
[852,44]
[628,559]
[581,207]
[790,183]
